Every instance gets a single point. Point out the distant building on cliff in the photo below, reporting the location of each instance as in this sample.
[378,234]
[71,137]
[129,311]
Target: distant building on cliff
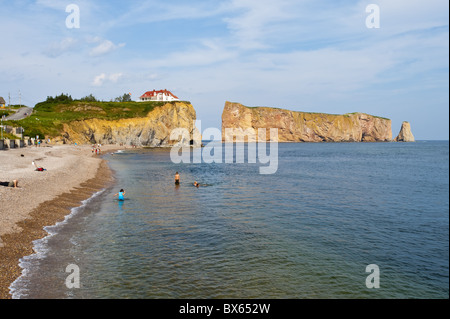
[2,102]
[161,95]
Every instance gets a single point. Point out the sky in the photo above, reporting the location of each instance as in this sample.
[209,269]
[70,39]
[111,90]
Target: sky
[336,57]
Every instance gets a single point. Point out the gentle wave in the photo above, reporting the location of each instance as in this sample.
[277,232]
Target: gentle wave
[19,288]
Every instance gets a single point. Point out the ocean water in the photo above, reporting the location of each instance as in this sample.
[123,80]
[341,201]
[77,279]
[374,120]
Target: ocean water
[307,231]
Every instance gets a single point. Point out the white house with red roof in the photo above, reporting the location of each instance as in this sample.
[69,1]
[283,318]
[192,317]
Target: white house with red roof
[161,95]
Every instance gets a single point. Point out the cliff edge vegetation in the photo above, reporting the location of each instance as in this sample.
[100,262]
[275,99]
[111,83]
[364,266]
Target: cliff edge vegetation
[129,123]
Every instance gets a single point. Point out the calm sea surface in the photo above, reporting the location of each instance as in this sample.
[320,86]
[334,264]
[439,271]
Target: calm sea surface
[307,231]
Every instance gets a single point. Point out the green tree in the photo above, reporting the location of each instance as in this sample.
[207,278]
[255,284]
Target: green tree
[63,98]
[124,98]
[89,98]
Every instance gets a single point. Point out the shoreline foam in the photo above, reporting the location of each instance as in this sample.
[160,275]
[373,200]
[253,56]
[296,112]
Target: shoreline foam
[43,198]
[40,249]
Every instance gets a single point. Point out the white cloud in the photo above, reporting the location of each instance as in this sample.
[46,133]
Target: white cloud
[99,79]
[53,4]
[407,15]
[93,39]
[115,77]
[254,20]
[58,48]
[207,52]
[105,47]
[142,13]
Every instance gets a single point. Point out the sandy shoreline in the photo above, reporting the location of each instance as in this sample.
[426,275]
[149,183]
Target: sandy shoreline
[73,174]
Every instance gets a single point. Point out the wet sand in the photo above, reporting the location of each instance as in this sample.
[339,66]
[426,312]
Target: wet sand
[73,174]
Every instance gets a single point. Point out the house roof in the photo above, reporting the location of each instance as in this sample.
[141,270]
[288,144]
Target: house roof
[154,93]
[2,100]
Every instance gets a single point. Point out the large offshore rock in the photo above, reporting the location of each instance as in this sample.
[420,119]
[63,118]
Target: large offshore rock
[304,127]
[405,134]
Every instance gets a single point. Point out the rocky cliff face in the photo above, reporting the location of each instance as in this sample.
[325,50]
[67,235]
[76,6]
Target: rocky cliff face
[405,134]
[306,127]
[154,130]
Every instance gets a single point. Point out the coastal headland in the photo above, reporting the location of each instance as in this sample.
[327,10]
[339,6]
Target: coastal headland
[43,198]
[305,126]
[139,124]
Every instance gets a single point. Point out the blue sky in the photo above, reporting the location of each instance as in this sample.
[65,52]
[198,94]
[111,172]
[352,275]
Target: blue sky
[303,55]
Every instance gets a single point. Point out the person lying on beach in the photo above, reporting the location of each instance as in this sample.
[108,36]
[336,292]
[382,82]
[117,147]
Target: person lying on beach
[14,183]
[121,194]
[38,168]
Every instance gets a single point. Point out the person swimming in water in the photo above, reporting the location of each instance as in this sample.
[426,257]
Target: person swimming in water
[177,178]
[121,194]
[197,184]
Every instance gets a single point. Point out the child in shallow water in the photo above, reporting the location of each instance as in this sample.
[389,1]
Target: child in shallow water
[121,194]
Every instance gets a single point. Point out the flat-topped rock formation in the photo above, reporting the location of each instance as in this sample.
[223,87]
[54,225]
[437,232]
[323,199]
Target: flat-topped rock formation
[305,127]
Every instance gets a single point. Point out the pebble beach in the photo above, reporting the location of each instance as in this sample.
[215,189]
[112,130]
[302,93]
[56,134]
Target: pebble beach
[72,174]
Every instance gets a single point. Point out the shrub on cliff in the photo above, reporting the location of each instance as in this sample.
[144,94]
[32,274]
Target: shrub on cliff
[63,98]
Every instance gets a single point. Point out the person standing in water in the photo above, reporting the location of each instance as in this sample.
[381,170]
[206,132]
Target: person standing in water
[121,194]
[177,178]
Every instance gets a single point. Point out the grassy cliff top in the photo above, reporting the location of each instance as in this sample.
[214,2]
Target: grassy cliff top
[48,117]
[284,109]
